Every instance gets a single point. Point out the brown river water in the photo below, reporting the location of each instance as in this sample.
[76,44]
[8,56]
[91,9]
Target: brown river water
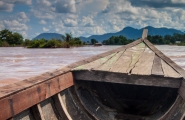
[18,63]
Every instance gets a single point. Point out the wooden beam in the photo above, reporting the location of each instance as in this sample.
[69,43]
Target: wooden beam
[22,100]
[37,112]
[122,78]
[145,33]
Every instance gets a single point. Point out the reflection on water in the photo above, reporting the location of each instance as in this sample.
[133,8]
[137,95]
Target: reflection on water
[17,63]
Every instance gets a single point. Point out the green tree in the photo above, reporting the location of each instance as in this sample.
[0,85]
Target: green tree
[93,41]
[12,39]
[67,37]
[17,38]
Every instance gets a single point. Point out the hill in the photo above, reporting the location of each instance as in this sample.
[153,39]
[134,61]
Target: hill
[49,36]
[128,32]
[132,33]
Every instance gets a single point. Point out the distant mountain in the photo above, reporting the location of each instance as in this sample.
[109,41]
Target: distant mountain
[132,33]
[128,32]
[49,36]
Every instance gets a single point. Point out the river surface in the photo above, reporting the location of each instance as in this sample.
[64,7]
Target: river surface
[18,63]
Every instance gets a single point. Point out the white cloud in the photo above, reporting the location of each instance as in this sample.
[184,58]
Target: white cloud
[6,6]
[87,21]
[43,14]
[70,23]
[15,25]
[22,17]
[43,22]
[45,29]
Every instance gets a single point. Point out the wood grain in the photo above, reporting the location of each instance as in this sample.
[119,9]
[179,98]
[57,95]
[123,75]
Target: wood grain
[144,64]
[101,76]
[21,101]
[95,64]
[165,58]
[109,63]
[157,67]
[145,33]
[137,52]
[169,71]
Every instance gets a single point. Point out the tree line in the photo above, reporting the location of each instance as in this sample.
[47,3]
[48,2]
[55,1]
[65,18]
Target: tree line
[11,39]
[66,42]
[156,39]
[8,38]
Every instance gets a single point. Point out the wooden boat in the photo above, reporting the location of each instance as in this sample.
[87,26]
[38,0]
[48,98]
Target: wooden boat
[133,82]
[98,44]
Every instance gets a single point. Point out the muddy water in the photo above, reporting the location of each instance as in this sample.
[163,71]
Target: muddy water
[17,63]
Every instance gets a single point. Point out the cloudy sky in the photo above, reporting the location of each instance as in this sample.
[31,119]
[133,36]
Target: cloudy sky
[88,17]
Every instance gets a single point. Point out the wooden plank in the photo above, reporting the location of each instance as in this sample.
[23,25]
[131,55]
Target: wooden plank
[135,56]
[94,64]
[182,89]
[144,64]
[122,78]
[123,62]
[145,33]
[174,109]
[165,58]
[109,63]
[71,106]
[22,100]
[48,110]
[37,112]
[129,117]
[157,67]
[169,71]
[127,61]
[88,60]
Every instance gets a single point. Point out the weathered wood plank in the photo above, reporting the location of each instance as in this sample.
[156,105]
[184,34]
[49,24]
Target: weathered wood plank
[129,58]
[157,66]
[48,110]
[95,64]
[182,89]
[169,71]
[122,78]
[145,33]
[109,63]
[137,52]
[37,112]
[129,117]
[22,100]
[165,58]
[144,64]
[122,63]
[173,111]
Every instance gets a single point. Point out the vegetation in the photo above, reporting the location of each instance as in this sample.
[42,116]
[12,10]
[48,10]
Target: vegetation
[93,41]
[8,38]
[117,40]
[157,39]
[167,39]
[68,41]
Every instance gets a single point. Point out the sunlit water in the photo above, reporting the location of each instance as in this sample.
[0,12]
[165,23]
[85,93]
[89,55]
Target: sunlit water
[17,63]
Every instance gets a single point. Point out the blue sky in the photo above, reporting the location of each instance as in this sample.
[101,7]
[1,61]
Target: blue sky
[88,17]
